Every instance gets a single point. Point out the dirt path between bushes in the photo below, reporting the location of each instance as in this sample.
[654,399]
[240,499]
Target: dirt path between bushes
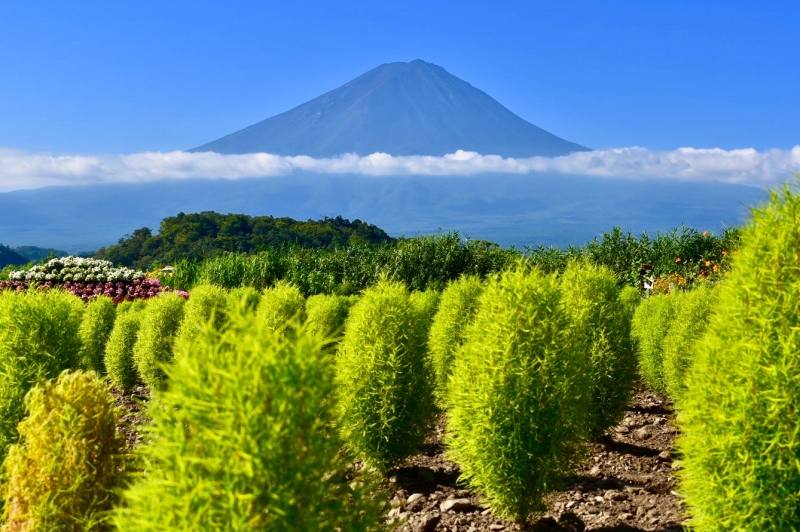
[626,484]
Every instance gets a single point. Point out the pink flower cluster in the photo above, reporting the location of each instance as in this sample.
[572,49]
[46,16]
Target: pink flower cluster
[19,286]
[119,291]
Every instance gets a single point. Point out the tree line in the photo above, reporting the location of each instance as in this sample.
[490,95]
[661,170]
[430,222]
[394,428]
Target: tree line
[207,234]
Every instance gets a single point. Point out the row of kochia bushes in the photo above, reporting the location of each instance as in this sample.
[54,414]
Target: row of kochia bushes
[263,400]
[256,418]
[729,357]
[665,327]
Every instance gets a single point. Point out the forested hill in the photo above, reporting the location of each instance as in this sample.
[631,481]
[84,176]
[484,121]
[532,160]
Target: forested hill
[9,256]
[197,236]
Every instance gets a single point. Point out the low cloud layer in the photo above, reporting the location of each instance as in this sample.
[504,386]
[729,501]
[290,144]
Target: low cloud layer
[19,170]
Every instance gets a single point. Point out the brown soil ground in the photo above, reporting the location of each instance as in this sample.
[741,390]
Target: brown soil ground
[627,482]
[132,404]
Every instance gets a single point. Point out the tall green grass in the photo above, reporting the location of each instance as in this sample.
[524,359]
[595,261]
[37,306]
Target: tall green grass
[422,263]
[232,270]
[430,262]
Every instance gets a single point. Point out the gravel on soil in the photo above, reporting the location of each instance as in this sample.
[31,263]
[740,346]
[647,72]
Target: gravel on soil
[627,482]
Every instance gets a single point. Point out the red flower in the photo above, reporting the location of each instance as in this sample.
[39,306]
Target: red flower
[678,260]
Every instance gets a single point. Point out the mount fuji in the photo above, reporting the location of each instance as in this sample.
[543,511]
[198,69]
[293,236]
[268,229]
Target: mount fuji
[414,108]
[402,109]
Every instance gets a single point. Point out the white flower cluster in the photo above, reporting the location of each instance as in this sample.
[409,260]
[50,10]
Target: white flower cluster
[77,269]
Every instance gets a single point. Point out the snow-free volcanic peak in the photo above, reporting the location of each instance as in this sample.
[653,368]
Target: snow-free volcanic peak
[414,108]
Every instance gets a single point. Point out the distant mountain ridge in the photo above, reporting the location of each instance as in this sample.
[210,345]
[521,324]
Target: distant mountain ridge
[550,209]
[9,256]
[414,108]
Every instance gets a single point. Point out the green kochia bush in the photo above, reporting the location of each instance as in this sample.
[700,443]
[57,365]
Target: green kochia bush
[517,395]
[281,304]
[205,302]
[98,320]
[651,322]
[601,322]
[426,304]
[38,340]
[692,310]
[154,345]
[384,380]
[66,471]
[326,314]
[244,296]
[118,358]
[629,298]
[457,307]
[739,412]
[244,439]
[125,306]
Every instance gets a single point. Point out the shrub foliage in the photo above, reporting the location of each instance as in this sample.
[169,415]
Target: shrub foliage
[244,439]
[38,340]
[516,398]
[280,305]
[384,380]
[601,322]
[246,297]
[650,325]
[96,326]
[738,416]
[69,465]
[457,307]
[207,302]
[118,358]
[426,304]
[692,311]
[156,338]
[326,314]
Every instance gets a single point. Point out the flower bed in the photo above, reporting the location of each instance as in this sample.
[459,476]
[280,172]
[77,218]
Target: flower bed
[87,279]
[77,269]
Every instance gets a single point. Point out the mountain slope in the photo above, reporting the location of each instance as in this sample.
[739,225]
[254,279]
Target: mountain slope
[9,256]
[414,108]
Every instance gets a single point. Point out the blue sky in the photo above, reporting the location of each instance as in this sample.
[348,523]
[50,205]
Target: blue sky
[90,77]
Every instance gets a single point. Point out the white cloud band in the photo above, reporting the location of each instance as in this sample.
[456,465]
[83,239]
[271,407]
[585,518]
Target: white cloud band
[19,170]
